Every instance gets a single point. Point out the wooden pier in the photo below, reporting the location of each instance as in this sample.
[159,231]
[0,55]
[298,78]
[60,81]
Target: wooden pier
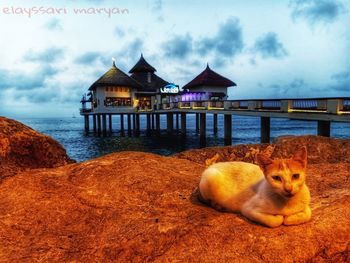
[322,110]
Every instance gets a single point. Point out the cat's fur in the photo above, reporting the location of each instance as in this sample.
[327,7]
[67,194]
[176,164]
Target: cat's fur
[256,191]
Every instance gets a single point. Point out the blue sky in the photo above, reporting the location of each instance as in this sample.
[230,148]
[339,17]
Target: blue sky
[271,49]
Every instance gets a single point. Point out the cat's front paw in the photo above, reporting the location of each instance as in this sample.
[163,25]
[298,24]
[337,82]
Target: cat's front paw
[298,218]
[274,221]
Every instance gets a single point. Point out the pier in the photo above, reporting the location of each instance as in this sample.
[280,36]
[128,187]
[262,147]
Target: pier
[323,110]
[145,93]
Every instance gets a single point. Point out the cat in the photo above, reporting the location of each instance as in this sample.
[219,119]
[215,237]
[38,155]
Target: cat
[271,193]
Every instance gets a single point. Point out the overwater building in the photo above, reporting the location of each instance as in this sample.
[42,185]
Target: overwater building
[208,85]
[152,84]
[117,92]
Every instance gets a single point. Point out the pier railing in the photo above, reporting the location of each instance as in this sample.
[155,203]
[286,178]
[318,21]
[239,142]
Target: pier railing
[346,105]
[85,110]
[337,106]
[322,110]
[317,105]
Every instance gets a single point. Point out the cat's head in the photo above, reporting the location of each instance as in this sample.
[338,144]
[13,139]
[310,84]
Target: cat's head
[286,176]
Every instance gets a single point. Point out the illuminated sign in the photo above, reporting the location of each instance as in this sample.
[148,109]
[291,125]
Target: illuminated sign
[170,88]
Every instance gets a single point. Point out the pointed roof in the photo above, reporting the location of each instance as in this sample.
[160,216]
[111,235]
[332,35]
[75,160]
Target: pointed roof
[115,77]
[208,77]
[156,82]
[142,66]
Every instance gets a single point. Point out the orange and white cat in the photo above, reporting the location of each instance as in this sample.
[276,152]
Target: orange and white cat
[271,193]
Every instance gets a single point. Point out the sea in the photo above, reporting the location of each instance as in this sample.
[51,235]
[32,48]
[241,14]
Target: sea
[82,146]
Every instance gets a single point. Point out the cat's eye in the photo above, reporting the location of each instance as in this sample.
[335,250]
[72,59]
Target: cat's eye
[276,178]
[296,176]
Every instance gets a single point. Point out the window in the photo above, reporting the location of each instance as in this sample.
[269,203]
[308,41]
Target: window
[117,102]
[149,77]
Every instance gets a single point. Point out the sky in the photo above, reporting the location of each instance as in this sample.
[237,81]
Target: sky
[52,51]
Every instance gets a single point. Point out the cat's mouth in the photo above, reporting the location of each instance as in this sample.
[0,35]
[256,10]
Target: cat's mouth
[289,195]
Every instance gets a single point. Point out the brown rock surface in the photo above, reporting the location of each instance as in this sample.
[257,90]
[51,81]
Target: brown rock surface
[23,148]
[320,150]
[139,207]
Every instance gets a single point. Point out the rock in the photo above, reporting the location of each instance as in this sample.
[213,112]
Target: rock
[23,148]
[140,207]
[245,153]
[320,150]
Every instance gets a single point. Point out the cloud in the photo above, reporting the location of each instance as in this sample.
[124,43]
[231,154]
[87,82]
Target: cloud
[341,81]
[37,90]
[37,95]
[54,24]
[54,92]
[268,46]
[134,46]
[294,89]
[49,55]
[129,52]
[157,5]
[223,46]
[228,41]
[26,81]
[90,57]
[317,11]
[178,47]
[119,32]
[157,8]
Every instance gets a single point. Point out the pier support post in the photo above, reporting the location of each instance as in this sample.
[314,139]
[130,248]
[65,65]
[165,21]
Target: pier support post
[137,124]
[104,124]
[177,121]
[134,122]
[98,124]
[94,122]
[170,122]
[129,124]
[152,120]
[158,123]
[86,119]
[197,122]
[203,125]
[110,123]
[148,117]
[122,124]
[265,130]
[183,123]
[324,128]
[228,129]
[215,123]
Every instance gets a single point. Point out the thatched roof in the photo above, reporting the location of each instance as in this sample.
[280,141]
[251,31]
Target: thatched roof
[142,66]
[156,82]
[209,78]
[115,77]
[140,73]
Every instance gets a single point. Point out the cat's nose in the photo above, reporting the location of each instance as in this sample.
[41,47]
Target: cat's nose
[288,188]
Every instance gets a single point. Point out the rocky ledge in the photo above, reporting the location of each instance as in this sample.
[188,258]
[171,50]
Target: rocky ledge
[23,148]
[140,207]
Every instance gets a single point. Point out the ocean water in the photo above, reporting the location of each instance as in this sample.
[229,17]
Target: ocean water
[81,146]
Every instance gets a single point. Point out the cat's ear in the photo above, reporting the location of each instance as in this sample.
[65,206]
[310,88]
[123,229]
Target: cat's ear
[300,156]
[263,161]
